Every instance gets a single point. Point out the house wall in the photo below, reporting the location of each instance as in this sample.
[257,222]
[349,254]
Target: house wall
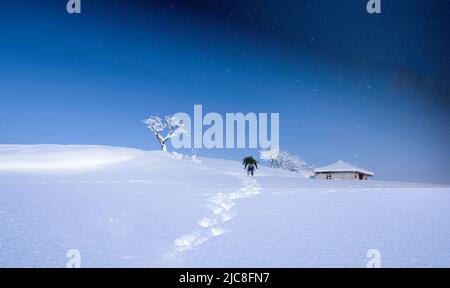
[336,175]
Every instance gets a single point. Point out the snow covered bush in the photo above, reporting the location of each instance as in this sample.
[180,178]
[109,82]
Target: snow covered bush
[283,160]
[173,125]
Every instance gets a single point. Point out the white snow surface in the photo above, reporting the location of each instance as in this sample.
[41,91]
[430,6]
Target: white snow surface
[124,207]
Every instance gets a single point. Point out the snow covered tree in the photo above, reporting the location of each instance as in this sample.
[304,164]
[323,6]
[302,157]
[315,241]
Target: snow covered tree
[283,160]
[173,125]
[272,156]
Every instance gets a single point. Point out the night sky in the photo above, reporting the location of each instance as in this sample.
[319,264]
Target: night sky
[368,89]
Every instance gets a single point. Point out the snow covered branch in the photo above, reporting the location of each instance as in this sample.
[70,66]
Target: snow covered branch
[173,125]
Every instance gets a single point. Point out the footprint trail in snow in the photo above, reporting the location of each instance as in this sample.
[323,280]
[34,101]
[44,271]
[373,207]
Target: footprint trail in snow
[221,208]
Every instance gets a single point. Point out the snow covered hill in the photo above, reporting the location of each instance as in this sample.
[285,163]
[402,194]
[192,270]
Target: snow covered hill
[124,207]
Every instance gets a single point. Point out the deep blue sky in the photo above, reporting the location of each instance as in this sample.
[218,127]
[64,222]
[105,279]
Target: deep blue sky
[369,89]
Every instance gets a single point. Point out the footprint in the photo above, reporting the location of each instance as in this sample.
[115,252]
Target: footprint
[216,231]
[221,206]
[206,222]
[226,216]
[189,241]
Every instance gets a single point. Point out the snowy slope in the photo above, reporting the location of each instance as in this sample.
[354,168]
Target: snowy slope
[124,207]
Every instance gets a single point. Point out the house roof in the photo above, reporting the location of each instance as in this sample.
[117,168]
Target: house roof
[342,166]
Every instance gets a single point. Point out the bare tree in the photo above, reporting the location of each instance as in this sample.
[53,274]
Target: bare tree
[173,125]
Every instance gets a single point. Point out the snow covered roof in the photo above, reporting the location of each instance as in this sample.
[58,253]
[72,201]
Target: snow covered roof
[342,166]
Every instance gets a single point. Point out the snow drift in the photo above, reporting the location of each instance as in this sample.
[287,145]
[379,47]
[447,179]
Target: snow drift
[61,157]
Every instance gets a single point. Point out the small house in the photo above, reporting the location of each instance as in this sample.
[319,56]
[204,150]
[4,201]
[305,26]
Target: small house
[343,171]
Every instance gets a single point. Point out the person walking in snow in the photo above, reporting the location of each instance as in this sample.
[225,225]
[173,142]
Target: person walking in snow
[250,164]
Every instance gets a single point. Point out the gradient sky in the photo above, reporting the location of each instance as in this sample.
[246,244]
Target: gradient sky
[368,89]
